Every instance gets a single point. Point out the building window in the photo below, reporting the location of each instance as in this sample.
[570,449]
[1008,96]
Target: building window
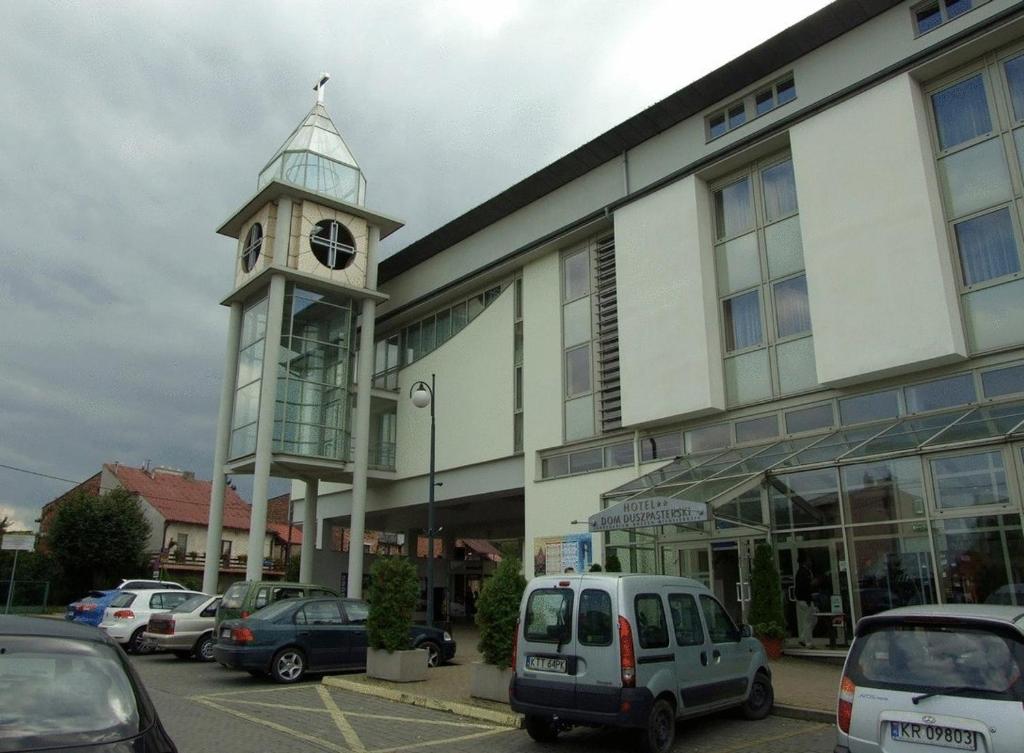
[587,460]
[761,284]
[251,247]
[332,244]
[754,105]
[934,13]
[517,365]
[1007,380]
[661,447]
[577,339]
[249,376]
[978,126]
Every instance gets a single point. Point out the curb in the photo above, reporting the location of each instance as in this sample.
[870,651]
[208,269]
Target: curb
[804,714]
[504,718]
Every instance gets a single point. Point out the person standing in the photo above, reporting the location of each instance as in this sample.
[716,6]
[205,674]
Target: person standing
[804,592]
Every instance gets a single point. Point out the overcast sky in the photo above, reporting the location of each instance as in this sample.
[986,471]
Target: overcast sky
[129,131]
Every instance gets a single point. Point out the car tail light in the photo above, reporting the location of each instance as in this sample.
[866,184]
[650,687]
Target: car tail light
[85,607]
[245,613]
[844,711]
[242,635]
[124,614]
[515,645]
[167,626]
[627,657]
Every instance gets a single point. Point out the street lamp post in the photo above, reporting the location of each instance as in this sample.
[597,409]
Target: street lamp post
[422,395]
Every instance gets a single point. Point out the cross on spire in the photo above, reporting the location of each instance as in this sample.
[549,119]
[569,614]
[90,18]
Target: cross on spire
[319,87]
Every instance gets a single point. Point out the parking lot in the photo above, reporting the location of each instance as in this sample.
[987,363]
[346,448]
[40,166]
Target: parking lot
[207,708]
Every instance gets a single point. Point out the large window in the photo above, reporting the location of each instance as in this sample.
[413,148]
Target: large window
[978,129]
[245,412]
[578,343]
[762,287]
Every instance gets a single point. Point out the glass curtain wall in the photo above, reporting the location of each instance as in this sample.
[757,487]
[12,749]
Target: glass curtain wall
[245,413]
[315,375]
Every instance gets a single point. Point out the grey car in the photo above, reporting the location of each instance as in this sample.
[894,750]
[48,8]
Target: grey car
[632,651]
[934,678]
[185,631]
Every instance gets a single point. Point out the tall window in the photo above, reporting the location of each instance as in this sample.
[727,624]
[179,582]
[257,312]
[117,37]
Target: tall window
[577,342]
[978,121]
[762,287]
[517,361]
[245,412]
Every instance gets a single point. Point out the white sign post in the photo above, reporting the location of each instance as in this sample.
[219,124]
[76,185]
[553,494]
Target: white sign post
[648,512]
[18,542]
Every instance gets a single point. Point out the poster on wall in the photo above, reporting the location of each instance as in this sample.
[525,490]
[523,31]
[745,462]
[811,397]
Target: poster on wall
[554,555]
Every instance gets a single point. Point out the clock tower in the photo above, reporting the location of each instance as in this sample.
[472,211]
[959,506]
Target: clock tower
[305,288]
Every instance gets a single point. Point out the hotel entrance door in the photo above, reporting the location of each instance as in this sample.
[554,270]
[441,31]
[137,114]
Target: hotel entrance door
[723,566]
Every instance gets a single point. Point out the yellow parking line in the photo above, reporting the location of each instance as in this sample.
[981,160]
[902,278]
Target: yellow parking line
[471,725]
[340,721]
[416,746]
[275,689]
[754,744]
[276,705]
[275,726]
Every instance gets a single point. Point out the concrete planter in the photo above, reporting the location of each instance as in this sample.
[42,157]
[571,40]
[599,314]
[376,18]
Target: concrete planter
[397,666]
[490,682]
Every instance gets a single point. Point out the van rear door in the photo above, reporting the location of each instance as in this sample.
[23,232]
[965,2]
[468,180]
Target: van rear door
[547,661]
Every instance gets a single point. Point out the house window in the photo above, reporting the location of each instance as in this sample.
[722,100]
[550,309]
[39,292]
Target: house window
[935,13]
[225,549]
[762,287]
[754,105]
[978,127]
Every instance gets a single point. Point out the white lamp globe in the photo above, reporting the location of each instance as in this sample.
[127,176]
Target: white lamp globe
[420,397]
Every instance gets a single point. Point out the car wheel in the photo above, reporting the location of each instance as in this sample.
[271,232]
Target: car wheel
[204,648]
[660,732]
[541,729]
[433,653]
[134,645]
[182,654]
[760,699]
[289,665]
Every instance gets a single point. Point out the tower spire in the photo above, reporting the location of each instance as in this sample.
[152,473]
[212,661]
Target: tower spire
[319,87]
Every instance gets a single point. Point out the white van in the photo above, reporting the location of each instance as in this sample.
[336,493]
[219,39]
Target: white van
[634,651]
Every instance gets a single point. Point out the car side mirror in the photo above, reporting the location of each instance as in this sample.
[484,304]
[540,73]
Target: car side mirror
[746,631]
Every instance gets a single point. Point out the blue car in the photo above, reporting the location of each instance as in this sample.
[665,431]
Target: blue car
[295,636]
[89,610]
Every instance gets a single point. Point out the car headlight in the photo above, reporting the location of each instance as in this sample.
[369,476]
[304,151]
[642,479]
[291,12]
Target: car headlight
[447,636]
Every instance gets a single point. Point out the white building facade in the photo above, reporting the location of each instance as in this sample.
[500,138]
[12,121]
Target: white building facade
[792,291]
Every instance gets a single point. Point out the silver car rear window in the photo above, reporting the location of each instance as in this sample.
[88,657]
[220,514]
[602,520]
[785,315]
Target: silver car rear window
[549,615]
[963,660]
[56,692]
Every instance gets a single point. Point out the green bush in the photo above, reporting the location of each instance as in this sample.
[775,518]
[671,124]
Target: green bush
[497,611]
[393,591]
[766,612]
[612,564]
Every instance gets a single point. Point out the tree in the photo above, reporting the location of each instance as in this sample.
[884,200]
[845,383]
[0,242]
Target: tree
[98,539]
[497,611]
[766,613]
[393,591]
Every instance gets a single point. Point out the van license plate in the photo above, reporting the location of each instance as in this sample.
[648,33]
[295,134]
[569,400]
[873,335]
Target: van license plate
[546,664]
[931,734]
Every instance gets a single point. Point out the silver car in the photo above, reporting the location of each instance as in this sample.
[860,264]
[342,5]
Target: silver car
[934,678]
[185,631]
[632,651]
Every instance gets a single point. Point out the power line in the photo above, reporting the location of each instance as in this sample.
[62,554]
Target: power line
[37,473]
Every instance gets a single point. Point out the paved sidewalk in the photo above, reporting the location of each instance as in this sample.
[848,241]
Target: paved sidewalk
[804,689]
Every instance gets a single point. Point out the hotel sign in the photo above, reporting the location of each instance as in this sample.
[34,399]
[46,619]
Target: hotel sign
[648,512]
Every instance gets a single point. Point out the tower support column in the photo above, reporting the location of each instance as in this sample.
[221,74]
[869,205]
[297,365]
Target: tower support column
[265,431]
[215,526]
[309,530]
[361,430]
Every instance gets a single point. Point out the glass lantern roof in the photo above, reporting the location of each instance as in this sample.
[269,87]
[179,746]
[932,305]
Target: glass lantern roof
[316,157]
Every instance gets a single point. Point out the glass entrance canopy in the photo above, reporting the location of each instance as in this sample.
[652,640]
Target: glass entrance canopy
[719,479]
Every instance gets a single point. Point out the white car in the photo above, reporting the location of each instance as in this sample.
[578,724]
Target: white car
[126,618]
[935,678]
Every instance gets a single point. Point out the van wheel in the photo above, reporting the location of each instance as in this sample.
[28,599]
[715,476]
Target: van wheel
[541,729]
[760,699]
[661,728]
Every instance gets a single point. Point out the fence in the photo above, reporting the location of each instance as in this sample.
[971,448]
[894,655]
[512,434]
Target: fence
[30,596]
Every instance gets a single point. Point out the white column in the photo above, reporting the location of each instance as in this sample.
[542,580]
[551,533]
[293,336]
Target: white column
[309,530]
[215,525]
[361,430]
[265,431]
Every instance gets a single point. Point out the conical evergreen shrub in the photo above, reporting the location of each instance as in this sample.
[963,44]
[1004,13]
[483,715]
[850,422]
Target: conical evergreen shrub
[393,591]
[766,612]
[497,610]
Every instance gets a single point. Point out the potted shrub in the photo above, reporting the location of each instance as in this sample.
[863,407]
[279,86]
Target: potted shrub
[497,611]
[766,612]
[612,564]
[393,592]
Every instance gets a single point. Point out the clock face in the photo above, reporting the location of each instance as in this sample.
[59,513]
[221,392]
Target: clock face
[251,247]
[332,244]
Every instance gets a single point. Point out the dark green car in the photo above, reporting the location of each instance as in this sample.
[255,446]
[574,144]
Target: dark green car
[248,596]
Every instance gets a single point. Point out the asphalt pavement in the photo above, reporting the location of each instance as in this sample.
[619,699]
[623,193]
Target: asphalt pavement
[209,709]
